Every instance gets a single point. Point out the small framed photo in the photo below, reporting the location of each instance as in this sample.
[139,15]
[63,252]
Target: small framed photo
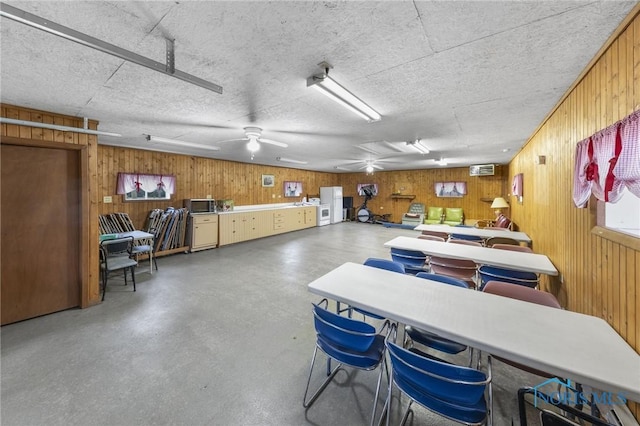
[292,189]
[268,181]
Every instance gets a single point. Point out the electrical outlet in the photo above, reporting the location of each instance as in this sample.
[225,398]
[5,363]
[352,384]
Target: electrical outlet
[107,199]
[273,195]
[209,196]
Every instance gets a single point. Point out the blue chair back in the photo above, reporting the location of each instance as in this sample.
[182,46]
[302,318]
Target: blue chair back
[451,390]
[493,273]
[387,264]
[341,331]
[443,279]
[410,258]
[455,236]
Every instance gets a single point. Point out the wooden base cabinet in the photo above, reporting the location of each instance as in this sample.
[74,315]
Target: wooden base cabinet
[243,226]
[203,231]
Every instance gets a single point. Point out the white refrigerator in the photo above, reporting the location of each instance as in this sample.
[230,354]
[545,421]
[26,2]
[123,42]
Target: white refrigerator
[332,195]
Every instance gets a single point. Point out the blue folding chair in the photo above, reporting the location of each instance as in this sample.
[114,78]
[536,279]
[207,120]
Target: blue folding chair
[431,340]
[413,261]
[454,392]
[455,236]
[493,273]
[348,342]
[386,264]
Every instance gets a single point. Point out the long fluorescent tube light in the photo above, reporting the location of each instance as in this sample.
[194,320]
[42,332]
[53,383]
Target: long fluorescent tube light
[43,24]
[57,127]
[290,160]
[418,146]
[182,143]
[335,91]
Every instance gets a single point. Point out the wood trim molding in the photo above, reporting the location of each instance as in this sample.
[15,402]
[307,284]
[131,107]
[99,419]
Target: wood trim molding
[626,240]
[10,140]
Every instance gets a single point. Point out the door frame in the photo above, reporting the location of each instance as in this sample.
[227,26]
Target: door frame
[84,243]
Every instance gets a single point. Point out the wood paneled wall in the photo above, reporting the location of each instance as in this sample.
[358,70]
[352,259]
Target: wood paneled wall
[600,272]
[34,136]
[421,184]
[197,177]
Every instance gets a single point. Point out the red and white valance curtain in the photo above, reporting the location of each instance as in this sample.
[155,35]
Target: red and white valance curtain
[607,162]
[128,182]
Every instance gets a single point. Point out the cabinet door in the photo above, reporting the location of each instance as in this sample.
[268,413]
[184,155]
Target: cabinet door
[227,229]
[310,217]
[204,232]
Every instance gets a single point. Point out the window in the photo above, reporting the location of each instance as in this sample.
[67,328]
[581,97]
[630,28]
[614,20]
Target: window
[145,187]
[624,216]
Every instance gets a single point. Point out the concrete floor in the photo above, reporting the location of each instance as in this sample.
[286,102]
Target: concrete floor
[217,337]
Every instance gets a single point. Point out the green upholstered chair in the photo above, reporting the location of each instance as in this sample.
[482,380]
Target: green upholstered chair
[434,215]
[453,216]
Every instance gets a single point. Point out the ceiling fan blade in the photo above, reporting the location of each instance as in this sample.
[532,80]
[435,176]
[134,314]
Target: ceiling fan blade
[375,166]
[233,140]
[276,143]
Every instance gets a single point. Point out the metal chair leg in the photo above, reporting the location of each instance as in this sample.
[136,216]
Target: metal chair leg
[383,366]
[105,276]
[307,403]
[133,277]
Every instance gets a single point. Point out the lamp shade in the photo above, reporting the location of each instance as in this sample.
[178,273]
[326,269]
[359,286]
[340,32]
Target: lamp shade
[499,203]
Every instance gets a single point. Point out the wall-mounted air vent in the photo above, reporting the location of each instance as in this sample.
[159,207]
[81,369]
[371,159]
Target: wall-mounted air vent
[482,170]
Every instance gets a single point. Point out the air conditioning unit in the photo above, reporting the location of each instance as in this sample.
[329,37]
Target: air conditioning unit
[482,170]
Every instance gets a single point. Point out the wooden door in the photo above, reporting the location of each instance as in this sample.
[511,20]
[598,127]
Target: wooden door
[41,231]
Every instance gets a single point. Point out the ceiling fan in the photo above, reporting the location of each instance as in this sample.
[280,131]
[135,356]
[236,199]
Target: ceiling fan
[253,137]
[368,165]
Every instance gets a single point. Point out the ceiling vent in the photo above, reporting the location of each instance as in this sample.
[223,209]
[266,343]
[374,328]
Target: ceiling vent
[482,170]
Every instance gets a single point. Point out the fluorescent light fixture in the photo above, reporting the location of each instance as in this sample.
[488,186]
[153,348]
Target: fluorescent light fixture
[290,160]
[335,91]
[58,127]
[181,143]
[441,162]
[418,146]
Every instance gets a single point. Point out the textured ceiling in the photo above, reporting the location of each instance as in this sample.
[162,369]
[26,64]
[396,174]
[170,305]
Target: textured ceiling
[471,79]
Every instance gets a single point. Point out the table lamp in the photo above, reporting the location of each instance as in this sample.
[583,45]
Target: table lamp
[498,204]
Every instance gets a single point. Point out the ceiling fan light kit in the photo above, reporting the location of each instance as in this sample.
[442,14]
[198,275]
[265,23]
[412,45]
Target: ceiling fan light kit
[151,138]
[332,89]
[253,145]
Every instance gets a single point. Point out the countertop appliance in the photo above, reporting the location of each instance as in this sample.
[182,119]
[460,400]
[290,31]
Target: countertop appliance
[332,195]
[324,214]
[200,205]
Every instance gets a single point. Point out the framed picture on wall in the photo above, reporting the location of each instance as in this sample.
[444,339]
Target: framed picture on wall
[292,189]
[367,189]
[268,181]
[450,189]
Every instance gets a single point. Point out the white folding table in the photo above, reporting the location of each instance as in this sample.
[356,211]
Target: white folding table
[522,261]
[475,232]
[570,345]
